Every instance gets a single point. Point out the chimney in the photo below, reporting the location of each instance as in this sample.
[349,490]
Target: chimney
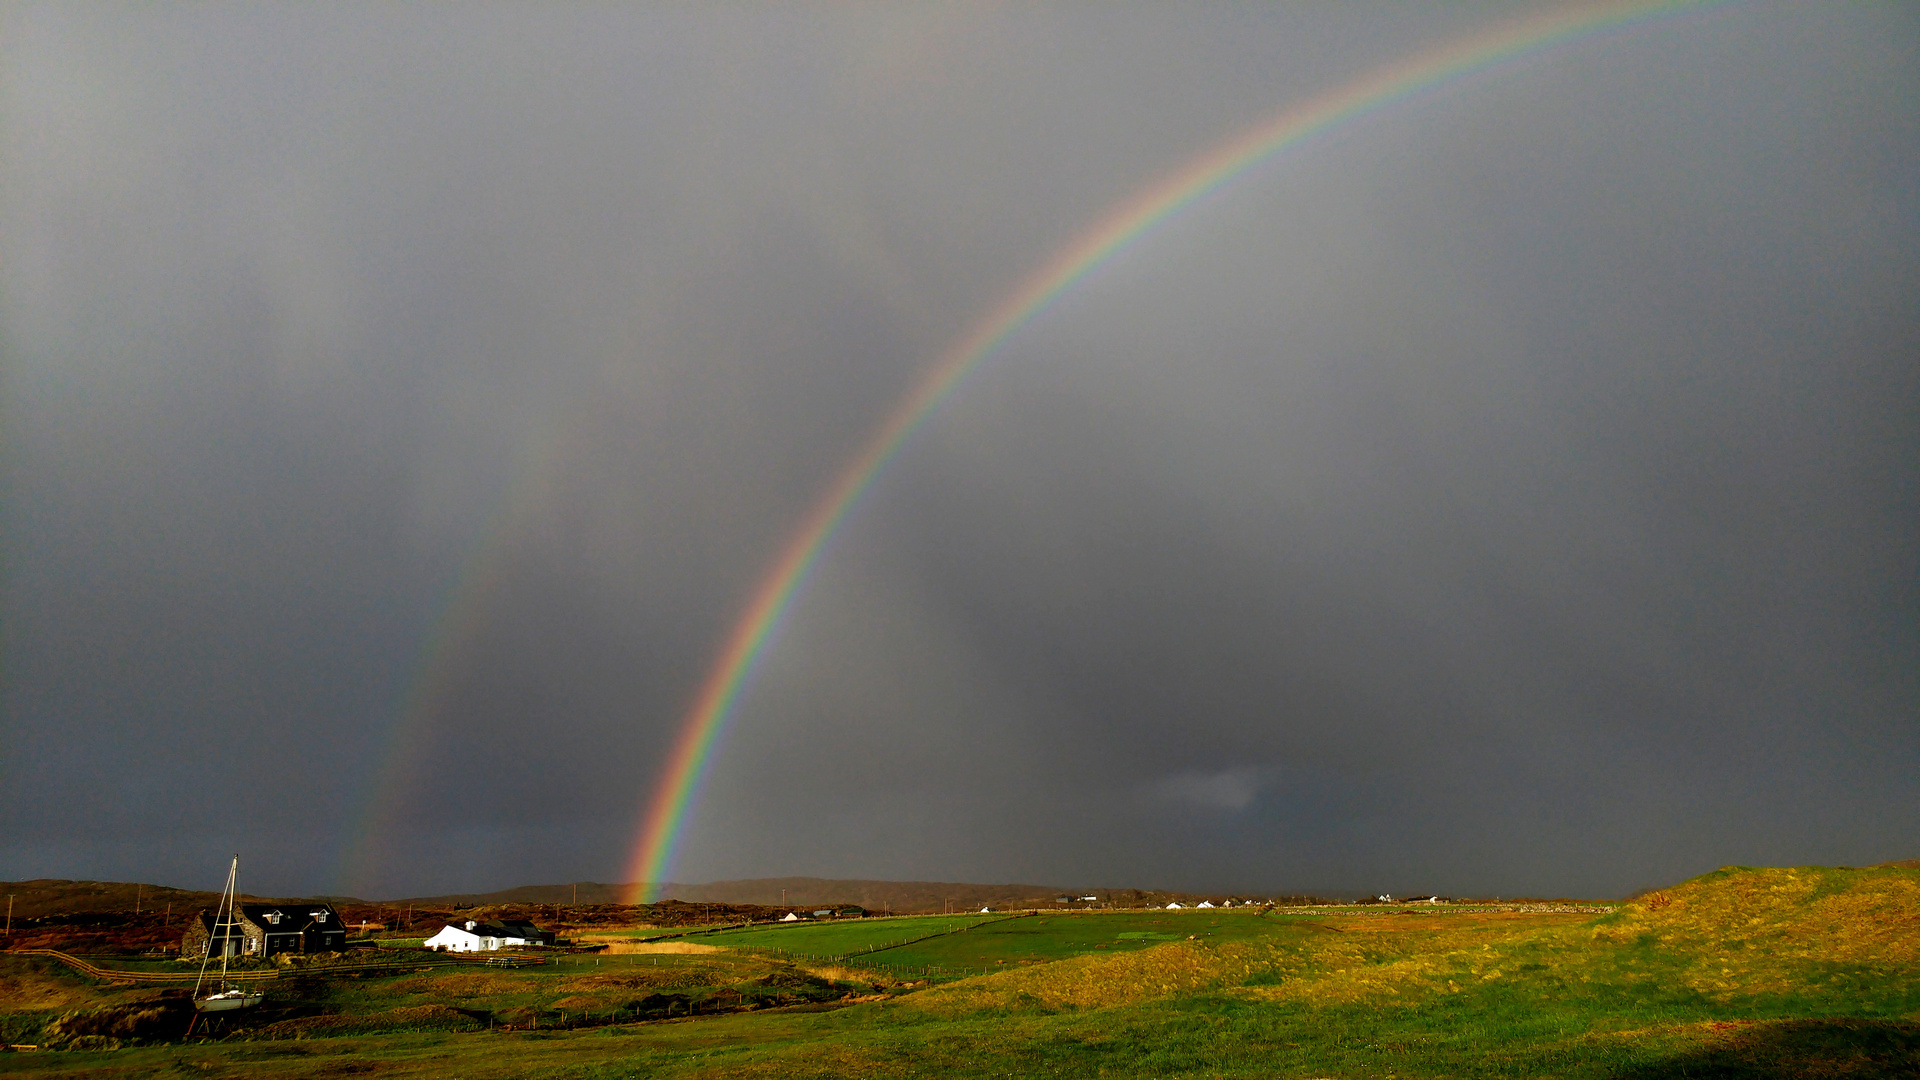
[471,924]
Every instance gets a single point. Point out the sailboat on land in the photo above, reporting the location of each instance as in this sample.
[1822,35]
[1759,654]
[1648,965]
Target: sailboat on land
[225,922]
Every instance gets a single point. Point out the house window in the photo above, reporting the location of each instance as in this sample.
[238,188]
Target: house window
[319,916]
[273,917]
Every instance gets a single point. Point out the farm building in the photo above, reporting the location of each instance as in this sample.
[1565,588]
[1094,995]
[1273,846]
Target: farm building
[267,929]
[791,916]
[487,936]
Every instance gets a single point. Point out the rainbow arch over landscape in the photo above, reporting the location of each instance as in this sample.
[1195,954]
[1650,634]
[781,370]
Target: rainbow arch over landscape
[668,809]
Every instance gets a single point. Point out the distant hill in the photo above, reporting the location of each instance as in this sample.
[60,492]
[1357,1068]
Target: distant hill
[798,892]
[51,896]
[59,896]
[579,892]
[1902,864]
[872,895]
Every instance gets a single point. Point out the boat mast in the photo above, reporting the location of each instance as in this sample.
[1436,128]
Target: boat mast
[226,908]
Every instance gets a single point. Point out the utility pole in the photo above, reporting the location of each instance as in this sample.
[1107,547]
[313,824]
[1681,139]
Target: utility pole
[9,914]
[138,890]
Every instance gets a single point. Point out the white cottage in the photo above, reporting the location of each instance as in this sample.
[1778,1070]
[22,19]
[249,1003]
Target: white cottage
[488,936]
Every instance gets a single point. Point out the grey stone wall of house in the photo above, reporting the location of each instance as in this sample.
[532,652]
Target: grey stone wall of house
[247,939]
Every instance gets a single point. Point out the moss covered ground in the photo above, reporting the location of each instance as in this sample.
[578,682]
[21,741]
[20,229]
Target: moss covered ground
[1745,972]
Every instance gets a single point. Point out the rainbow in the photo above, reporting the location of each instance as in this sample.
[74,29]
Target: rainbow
[462,608]
[666,812]
[686,768]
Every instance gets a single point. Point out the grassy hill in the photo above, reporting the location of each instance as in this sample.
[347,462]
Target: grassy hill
[56,896]
[1743,972]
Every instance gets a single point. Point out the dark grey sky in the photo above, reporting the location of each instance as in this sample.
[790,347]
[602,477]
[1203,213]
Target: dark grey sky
[1514,491]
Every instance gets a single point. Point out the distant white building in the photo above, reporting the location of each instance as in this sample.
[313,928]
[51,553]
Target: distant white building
[486,937]
[791,916]
[1174,906]
[1204,903]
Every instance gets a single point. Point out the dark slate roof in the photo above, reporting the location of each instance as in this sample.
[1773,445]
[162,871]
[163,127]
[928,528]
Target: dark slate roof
[299,916]
[497,928]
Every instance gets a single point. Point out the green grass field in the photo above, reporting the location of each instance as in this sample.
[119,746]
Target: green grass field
[1740,973]
[844,937]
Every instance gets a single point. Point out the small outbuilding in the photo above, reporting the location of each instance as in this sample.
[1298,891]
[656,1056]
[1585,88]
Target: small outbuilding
[791,916]
[1175,905]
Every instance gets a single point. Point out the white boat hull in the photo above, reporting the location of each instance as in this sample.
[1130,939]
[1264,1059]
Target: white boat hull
[228,1001]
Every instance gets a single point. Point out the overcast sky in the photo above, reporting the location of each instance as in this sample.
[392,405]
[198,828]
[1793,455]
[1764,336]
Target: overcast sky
[1514,491]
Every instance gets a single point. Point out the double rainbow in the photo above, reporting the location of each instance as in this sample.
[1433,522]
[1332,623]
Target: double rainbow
[687,766]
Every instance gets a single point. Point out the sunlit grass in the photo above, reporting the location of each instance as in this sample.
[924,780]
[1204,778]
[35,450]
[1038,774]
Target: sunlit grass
[1804,972]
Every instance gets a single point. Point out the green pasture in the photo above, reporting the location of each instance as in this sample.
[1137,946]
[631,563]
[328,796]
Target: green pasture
[1041,938]
[975,942]
[843,937]
[1743,973]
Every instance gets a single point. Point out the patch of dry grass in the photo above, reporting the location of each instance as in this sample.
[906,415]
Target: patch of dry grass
[415,1018]
[1805,912]
[1742,928]
[1094,981]
[841,973]
[465,985]
[663,978]
[25,990]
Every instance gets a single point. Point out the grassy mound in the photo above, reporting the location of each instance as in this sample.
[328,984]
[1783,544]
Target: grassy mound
[132,1022]
[414,1019]
[1869,915]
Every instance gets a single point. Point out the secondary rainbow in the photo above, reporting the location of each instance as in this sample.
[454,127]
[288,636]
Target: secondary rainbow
[687,765]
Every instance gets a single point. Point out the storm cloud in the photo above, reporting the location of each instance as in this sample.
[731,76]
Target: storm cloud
[1511,490]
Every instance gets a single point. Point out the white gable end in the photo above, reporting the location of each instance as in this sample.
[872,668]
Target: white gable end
[454,939]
